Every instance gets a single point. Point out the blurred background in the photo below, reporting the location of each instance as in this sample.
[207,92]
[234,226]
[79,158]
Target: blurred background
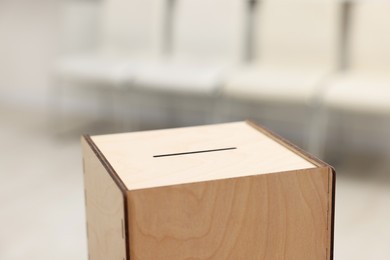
[314,71]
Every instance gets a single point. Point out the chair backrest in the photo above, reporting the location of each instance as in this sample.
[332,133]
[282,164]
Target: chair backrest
[131,25]
[298,32]
[209,29]
[77,25]
[369,41]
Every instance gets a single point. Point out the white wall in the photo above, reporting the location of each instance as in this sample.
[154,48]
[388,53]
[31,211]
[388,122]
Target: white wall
[27,47]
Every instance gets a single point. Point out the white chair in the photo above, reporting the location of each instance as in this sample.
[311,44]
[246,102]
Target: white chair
[365,84]
[128,33]
[295,51]
[364,87]
[206,41]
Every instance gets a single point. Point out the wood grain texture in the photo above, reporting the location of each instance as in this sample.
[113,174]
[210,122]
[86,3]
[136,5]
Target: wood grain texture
[132,155]
[248,195]
[318,163]
[273,216]
[104,209]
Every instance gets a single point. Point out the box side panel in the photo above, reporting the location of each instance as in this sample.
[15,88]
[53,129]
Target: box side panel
[274,216]
[104,209]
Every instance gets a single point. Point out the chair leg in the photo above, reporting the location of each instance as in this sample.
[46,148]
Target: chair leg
[121,108]
[215,116]
[227,112]
[117,109]
[318,131]
[55,116]
[132,108]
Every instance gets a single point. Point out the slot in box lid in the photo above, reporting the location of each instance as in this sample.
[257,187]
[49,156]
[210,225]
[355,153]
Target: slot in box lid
[195,154]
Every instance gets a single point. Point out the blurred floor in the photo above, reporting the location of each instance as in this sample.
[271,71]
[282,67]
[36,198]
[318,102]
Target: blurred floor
[42,204]
[41,191]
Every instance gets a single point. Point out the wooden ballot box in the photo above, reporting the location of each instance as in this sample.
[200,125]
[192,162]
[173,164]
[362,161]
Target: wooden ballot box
[226,191]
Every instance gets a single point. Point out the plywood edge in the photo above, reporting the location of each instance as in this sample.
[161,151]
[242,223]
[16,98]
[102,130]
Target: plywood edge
[86,139]
[105,163]
[332,207]
[331,189]
[292,147]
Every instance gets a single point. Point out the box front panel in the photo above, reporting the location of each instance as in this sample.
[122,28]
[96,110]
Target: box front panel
[274,216]
[104,210]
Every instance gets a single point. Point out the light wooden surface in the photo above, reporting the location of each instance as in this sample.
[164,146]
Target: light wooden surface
[131,155]
[228,191]
[274,216]
[104,210]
